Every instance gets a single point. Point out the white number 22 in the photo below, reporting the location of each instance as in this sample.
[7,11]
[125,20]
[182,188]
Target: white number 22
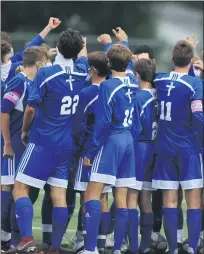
[69,105]
[168,111]
[128,117]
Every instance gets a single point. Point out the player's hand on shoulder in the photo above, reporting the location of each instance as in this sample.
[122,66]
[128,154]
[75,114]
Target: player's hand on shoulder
[120,34]
[87,162]
[25,137]
[54,23]
[8,151]
[192,40]
[104,39]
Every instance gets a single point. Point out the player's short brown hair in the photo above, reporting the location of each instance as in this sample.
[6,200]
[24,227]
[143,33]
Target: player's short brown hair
[6,37]
[99,61]
[119,56]
[146,68]
[32,55]
[183,53]
[5,49]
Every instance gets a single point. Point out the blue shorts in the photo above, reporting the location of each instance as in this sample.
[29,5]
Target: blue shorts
[115,163]
[39,165]
[170,171]
[9,166]
[144,162]
[83,177]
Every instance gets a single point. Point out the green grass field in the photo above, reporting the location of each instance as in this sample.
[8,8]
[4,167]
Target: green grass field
[37,222]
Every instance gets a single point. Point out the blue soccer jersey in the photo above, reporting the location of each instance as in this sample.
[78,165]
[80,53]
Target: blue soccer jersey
[175,94]
[55,94]
[115,107]
[112,140]
[144,131]
[13,103]
[85,117]
[178,161]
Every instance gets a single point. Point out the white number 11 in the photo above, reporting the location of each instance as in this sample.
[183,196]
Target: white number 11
[168,111]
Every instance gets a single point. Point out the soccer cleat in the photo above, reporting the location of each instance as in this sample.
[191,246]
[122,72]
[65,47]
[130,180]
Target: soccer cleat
[124,246]
[26,245]
[5,245]
[90,252]
[110,241]
[116,252]
[44,247]
[79,243]
[53,251]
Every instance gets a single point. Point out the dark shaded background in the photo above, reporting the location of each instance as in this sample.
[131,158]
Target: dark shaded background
[24,19]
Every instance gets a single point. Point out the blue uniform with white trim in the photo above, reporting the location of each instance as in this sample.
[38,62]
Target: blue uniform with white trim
[13,103]
[113,147]
[146,128]
[55,95]
[180,104]
[84,133]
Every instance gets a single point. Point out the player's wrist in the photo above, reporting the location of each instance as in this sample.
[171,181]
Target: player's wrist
[7,143]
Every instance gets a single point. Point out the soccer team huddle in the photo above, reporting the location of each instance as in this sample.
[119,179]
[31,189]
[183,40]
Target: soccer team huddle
[103,123]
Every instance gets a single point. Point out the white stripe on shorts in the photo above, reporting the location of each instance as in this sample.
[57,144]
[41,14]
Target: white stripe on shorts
[26,158]
[96,164]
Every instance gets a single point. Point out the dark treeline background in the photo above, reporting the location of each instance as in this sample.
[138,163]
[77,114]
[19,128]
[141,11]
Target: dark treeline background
[147,21]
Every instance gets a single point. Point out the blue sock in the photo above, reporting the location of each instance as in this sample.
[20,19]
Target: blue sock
[15,233]
[92,218]
[146,225]
[170,227]
[5,196]
[121,220]
[59,222]
[194,227]
[103,230]
[84,226]
[24,215]
[46,213]
[132,229]
[180,226]
[112,211]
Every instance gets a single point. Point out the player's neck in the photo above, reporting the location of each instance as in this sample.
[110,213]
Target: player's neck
[118,74]
[145,85]
[97,80]
[182,69]
[30,72]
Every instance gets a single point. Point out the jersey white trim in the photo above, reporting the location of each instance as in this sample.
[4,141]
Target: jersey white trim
[51,77]
[91,102]
[145,105]
[186,84]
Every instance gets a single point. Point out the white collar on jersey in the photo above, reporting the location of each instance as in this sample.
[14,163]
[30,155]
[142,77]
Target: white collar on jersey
[177,73]
[59,59]
[95,84]
[5,68]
